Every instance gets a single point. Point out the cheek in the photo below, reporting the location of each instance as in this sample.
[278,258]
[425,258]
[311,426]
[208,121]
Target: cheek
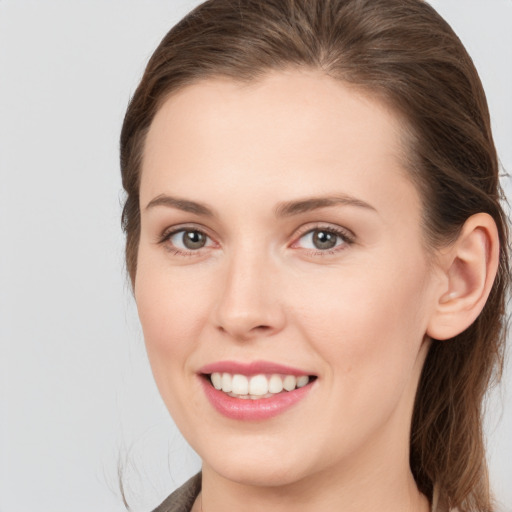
[368,325]
[369,334]
[172,313]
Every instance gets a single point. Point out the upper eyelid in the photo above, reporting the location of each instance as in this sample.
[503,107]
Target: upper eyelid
[307,228]
[172,230]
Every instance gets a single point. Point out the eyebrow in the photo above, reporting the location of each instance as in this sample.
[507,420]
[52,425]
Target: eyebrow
[180,204]
[286,209]
[290,208]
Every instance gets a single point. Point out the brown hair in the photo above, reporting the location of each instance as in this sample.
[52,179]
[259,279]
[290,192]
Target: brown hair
[406,54]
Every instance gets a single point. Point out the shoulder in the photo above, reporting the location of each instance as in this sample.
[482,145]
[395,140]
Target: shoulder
[182,499]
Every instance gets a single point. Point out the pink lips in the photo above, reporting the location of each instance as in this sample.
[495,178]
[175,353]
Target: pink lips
[253,368]
[247,409]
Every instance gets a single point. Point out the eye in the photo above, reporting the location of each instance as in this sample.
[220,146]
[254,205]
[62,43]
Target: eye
[186,240]
[323,239]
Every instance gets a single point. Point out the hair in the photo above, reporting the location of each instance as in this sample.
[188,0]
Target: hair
[406,55]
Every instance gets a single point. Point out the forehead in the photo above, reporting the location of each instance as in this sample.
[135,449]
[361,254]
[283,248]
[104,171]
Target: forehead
[301,127]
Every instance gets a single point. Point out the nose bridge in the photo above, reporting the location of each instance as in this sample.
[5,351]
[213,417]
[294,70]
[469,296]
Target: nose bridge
[248,301]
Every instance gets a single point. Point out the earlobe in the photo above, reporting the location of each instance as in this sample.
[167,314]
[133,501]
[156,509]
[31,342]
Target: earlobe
[469,266]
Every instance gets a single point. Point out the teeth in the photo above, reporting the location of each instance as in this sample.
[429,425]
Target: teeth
[257,386]
[289,382]
[216,380]
[275,384]
[226,382]
[302,381]
[240,384]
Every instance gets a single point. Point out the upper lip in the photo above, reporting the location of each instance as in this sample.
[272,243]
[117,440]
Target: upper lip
[251,368]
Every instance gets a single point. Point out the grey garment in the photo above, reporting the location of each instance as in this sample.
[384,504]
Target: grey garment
[182,499]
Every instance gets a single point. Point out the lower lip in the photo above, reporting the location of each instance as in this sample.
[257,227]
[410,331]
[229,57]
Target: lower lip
[253,410]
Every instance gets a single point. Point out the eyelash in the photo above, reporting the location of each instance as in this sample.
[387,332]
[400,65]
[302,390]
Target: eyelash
[346,236]
[347,239]
[166,236]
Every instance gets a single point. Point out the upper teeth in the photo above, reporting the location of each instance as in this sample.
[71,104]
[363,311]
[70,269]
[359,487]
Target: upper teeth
[256,386]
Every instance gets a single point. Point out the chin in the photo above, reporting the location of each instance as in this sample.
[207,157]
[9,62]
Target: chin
[264,464]
[259,473]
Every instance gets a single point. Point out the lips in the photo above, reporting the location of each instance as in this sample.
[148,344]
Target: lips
[254,391]
[252,368]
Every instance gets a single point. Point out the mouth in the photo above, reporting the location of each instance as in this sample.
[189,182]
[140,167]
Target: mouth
[255,391]
[256,387]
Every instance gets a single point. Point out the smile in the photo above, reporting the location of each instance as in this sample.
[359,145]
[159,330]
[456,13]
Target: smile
[256,386]
[254,391]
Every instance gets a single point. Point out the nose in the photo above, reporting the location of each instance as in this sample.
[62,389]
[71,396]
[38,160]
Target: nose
[248,304]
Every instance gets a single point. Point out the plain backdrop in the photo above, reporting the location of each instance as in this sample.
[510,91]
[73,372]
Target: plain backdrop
[77,399]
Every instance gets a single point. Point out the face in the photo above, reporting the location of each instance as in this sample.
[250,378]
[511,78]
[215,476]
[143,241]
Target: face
[281,245]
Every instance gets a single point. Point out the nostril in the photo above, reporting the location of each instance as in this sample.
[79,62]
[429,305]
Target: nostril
[244,331]
[261,328]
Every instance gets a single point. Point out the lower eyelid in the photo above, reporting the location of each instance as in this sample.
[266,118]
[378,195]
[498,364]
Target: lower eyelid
[176,251]
[180,252]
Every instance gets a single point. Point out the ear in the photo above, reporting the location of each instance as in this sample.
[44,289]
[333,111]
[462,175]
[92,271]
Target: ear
[468,268]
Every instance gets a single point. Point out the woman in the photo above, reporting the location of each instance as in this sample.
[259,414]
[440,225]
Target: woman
[318,254]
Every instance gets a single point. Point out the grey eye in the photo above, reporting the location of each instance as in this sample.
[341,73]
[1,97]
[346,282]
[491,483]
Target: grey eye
[321,240]
[324,239]
[189,239]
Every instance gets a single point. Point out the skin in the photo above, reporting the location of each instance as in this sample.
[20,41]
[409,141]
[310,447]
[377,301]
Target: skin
[356,316]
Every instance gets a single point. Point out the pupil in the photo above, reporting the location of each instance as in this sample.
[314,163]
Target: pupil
[324,240]
[193,239]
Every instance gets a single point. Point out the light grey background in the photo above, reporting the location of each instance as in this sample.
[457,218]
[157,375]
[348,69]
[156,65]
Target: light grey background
[76,393]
